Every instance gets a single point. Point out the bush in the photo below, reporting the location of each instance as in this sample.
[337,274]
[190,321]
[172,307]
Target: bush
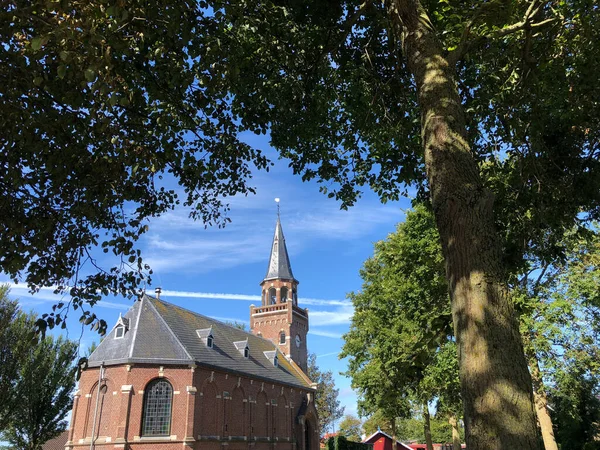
[341,443]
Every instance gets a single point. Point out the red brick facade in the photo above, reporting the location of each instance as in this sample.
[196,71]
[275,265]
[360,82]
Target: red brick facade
[211,410]
[271,320]
[252,400]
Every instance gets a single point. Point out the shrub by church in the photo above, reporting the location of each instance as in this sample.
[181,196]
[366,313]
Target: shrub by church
[166,378]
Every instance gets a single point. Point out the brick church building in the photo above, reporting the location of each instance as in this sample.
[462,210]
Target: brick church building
[166,378]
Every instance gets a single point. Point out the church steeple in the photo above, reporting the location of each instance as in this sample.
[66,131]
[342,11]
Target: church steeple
[279,262]
[279,318]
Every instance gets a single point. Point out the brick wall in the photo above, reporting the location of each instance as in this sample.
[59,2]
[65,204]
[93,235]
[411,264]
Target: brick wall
[211,410]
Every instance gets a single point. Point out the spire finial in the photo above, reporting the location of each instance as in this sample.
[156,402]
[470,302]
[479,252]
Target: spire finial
[277,201]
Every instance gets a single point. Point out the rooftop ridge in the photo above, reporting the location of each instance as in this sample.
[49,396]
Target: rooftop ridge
[201,315]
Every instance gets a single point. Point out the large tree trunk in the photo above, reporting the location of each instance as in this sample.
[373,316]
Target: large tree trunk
[495,381]
[453,421]
[541,405]
[427,427]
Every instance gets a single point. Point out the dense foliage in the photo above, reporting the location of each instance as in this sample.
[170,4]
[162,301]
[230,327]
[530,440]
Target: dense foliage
[101,104]
[351,428]
[326,398]
[38,398]
[399,344]
[341,443]
[15,338]
[461,100]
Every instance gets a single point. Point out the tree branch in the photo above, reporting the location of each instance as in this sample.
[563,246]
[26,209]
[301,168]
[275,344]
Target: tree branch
[526,23]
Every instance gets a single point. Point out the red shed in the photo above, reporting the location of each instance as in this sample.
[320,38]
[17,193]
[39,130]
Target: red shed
[383,441]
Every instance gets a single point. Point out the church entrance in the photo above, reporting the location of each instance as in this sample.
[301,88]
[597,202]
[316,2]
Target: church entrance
[307,434]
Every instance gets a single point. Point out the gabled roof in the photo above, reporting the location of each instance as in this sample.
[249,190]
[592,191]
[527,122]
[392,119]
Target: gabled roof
[57,443]
[166,334]
[378,434]
[279,262]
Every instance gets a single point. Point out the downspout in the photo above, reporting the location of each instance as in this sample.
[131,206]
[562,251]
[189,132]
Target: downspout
[100,378]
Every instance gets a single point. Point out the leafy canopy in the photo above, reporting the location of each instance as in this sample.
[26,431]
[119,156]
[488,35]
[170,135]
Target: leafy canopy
[351,428]
[326,398]
[401,321]
[103,105]
[37,377]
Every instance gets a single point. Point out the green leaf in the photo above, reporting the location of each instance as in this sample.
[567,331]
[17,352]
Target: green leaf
[36,43]
[90,75]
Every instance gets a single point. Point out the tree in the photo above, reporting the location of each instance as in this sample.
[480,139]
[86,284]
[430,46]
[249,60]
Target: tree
[102,106]
[556,303]
[16,336]
[441,382]
[576,405]
[381,94]
[391,93]
[380,421]
[236,324]
[326,397]
[45,382]
[411,429]
[401,321]
[351,428]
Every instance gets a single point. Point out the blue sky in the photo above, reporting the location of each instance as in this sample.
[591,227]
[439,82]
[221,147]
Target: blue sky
[216,272]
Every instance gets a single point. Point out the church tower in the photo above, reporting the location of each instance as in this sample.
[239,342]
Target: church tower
[279,318]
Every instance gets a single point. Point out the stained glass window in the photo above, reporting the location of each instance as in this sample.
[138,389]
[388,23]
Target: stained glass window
[158,398]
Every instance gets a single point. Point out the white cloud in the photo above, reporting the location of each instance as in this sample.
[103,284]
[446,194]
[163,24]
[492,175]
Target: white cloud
[176,243]
[328,334]
[338,224]
[340,316]
[46,295]
[211,295]
[328,354]
[252,298]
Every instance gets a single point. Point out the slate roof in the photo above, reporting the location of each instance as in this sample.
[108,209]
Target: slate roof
[58,443]
[279,262]
[166,334]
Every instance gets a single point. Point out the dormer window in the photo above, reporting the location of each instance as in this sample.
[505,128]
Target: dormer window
[206,336]
[242,347]
[121,327]
[272,356]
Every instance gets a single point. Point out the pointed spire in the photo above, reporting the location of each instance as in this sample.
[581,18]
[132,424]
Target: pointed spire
[279,263]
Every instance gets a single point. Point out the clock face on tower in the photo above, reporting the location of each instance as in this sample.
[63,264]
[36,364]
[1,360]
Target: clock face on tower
[298,341]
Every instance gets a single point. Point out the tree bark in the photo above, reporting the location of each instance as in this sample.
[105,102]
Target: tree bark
[495,380]
[541,406]
[453,421]
[427,427]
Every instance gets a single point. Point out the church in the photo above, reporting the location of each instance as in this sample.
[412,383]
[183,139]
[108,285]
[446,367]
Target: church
[167,378]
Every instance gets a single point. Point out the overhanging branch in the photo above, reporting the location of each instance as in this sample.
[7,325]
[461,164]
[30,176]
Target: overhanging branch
[526,23]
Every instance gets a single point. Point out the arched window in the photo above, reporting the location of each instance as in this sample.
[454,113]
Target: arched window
[284,294]
[282,337]
[295,297]
[272,296]
[158,398]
